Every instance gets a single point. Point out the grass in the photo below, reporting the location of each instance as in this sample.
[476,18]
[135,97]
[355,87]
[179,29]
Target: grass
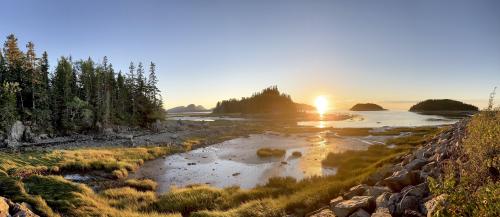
[25,177]
[297,154]
[141,184]
[116,160]
[270,152]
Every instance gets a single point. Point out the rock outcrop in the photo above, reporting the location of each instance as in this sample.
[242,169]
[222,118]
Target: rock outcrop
[402,189]
[9,208]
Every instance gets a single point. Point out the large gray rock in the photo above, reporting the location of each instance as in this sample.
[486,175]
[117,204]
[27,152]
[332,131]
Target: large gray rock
[17,131]
[408,202]
[4,207]
[381,212]
[29,136]
[347,207]
[415,164]
[12,209]
[399,179]
[360,213]
[324,213]
[357,190]
[335,201]
[376,191]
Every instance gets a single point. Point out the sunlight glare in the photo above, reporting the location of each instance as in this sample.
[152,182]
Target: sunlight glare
[321,104]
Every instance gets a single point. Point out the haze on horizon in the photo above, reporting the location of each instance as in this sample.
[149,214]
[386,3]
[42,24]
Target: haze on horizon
[390,52]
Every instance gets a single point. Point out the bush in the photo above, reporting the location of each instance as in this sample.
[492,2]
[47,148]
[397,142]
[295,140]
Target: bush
[472,184]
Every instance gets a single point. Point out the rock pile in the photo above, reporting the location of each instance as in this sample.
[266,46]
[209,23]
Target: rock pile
[401,189]
[9,208]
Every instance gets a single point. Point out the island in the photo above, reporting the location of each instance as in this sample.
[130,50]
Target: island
[188,108]
[367,107]
[442,105]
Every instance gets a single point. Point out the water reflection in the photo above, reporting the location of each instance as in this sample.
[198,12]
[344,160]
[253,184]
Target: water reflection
[235,162]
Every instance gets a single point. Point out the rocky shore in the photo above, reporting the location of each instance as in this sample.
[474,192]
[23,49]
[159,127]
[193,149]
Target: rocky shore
[401,189]
[170,132]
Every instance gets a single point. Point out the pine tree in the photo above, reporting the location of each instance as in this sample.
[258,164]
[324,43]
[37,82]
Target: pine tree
[152,85]
[62,93]
[15,62]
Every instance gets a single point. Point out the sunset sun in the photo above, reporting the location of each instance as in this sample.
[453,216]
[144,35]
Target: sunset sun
[321,104]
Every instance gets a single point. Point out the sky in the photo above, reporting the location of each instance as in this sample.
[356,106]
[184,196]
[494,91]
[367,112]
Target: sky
[391,52]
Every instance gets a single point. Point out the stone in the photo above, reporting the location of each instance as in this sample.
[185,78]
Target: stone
[381,212]
[412,213]
[398,180]
[408,202]
[376,191]
[357,190]
[324,213]
[29,136]
[382,201]
[393,202]
[4,207]
[420,191]
[433,205]
[335,201]
[43,136]
[416,164]
[360,213]
[17,131]
[347,207]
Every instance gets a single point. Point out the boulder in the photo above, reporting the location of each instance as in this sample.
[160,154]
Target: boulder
[9,208]
[29,136]
[4,207]
[415,164]
[347,207]
[393,202]
[382,173]
[375,191]
[357,190]
[433,205]
[412,213]
[420,191]
[323,213]
[399,179]
[382,201]
[381,212]
[335,201]
[408,202]
[17,131]
[360,213]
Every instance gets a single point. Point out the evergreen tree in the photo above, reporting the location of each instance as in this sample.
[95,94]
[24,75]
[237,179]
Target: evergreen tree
[15,62]
[62,94]
[8,105]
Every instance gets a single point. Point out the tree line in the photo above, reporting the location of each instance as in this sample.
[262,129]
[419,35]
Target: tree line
[269,100]
[80,95]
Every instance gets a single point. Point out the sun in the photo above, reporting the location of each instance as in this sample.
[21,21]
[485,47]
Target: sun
[321,104]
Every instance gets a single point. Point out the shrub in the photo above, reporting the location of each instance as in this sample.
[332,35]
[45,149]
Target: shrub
[297,154]
[269,152]
[472,184]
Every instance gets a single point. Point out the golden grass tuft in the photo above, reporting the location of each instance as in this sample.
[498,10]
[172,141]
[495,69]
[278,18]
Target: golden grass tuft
[269,152]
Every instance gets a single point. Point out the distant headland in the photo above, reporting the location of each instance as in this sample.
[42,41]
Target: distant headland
[188,108]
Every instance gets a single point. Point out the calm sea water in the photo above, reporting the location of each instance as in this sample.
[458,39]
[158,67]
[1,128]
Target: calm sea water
[383,119]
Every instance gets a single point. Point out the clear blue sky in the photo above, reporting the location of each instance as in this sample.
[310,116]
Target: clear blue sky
[386,51]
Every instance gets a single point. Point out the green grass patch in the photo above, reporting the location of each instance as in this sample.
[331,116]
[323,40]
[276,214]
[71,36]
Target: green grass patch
[142,184]
[270,152]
